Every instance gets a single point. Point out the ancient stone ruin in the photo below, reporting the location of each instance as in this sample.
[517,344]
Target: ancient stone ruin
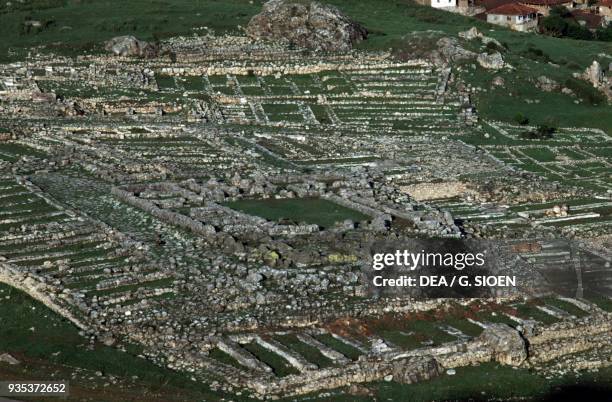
[215,209]
[131,46]
[309,25]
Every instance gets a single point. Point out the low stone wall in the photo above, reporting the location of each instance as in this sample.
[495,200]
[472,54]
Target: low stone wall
[165,215]
[351,204]
[405,370]
[38,290]
[272,69]
[498,342]
[567,337]
[432,191]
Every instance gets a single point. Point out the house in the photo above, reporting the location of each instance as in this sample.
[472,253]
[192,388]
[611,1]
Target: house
[544,6]
[444,4]
[514,16]
[588,20]
[604,8]
[488,5]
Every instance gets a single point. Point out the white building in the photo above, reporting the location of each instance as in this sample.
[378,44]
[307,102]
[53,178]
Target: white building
[444,3]
[515,16]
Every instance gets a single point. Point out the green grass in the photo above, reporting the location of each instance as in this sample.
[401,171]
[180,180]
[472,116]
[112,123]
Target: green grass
[540,154]
[347,350]
[566,306]
[310,353]
[310,210]
[74,26]
[498,318]
[411,333]
[601,301]
[530,311]
[87,254]
[405,341]
[490,381]
[17,150]
[464,326]
[279,365]
[54,344]
[224,358]
[76,247]
[34,334]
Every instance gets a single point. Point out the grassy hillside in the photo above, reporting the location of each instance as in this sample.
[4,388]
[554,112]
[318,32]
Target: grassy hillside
[72,26]
[49,346]
[81,25]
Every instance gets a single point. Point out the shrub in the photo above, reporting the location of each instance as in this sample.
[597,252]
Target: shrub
[560,11]
[559,23]
[553,25]
[604,34]
[534,53]
[576,31]
[585,91]
[521,119]
[545,131]
[542,132]
[493,47]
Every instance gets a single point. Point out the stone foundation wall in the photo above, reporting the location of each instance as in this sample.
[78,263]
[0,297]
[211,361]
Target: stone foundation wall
[569,337]
[38,290]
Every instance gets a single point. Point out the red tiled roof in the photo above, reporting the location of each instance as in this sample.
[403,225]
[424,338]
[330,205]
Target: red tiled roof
[491,4]
[513,9]
[545,2]
[593,21]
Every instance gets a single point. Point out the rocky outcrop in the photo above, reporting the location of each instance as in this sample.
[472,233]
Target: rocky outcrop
[474,33]
[506,343]
[309,25]
[417,370]
[131,46]
[547,84]
[569,337]
[493,61]
[452,51]
[595,75]
[6,358]
[498,82]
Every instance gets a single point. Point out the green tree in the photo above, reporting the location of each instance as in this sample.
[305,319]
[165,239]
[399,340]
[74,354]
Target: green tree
[560,11]
[553,25]
[604,33]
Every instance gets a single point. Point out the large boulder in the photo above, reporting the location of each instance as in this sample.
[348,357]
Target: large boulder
[6,358]
[131,46]
[507,344]
[547,84]
[452,52]
[472,33]
[594,74]
[308,25]
[417,369]
[493,61]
